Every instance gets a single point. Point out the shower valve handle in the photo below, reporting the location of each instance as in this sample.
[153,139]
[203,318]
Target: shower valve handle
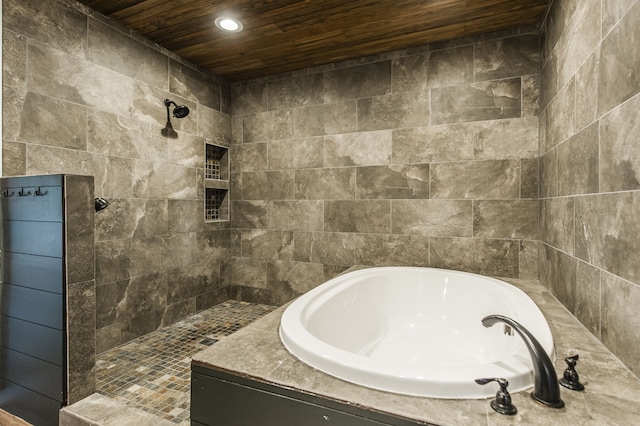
[502,404]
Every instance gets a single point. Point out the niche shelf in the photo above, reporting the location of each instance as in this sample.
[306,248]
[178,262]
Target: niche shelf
[216,183]
[216,165]
[216,205]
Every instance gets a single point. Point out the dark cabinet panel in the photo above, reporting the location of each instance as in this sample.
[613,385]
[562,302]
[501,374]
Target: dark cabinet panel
[219,398]
[37,272]
[32,373]
[28,405]
[41,208]
[36,306]
[41,342]
[34,257]
[39,238]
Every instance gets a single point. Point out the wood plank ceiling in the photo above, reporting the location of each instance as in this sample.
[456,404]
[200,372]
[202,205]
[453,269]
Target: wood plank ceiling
[286,35]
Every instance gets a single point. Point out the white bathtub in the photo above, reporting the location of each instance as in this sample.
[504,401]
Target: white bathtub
[415,331]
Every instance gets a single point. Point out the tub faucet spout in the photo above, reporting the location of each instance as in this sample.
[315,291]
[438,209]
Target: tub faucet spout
[546,389]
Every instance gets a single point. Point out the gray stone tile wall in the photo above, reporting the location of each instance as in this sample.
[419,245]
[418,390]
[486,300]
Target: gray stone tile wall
[590,167]
[425,157]
[90,102]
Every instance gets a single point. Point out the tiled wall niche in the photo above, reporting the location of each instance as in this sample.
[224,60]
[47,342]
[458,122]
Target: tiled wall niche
[590,191]
[216,179]
[425,157]
[81,106]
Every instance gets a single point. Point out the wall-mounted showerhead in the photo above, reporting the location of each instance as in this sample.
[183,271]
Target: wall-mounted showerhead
[180,111]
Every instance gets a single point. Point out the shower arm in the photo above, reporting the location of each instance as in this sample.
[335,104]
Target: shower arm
[168,103]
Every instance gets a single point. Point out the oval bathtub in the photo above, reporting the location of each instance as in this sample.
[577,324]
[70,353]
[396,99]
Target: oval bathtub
[415,331]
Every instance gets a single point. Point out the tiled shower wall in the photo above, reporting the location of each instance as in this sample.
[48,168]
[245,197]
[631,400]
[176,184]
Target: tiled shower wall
[425,157]
[590,167]
[83,96]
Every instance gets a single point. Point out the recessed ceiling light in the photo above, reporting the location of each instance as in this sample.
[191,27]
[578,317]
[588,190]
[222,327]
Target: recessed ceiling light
[228,24]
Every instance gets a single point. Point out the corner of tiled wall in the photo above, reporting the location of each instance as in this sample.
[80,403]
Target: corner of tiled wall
[589,164]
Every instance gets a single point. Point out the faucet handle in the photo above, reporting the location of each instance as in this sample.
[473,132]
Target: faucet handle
[570,379]
[502,404]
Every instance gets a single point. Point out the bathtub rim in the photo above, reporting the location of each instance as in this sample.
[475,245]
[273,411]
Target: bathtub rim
[442,383]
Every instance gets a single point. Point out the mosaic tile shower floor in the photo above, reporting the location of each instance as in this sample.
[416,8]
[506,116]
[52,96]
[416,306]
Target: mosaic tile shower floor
[152,372]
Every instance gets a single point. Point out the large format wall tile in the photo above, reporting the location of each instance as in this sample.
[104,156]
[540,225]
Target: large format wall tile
[270,185]
[506,219]
[450,67]
[481,256]
[64,76]
[263,244]
[396,181]
[296,92]
[14,158]
[394,111]
[158,180]
[117,135]
[299,277]
[49,22]
[510,57]
[359,216]
[331,248]
[433,143]
[112,49]
[296,153]
[13,99]
[510,138]
[587,303]
[431,217]
[579,159]
[487,100]
[249,99]
[619,154]
[619,73]
[357,149]
[607,232]
[476,179]
[295,215]
[249,214]
[409,73]
[267,126]
[557,223]
[363,81]
[14,59]
[392,250]
[620,320]
[193,85]
[325,119]
[325,184]
[49,121]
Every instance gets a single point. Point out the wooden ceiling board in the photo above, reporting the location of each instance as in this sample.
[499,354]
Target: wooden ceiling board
[286,35]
